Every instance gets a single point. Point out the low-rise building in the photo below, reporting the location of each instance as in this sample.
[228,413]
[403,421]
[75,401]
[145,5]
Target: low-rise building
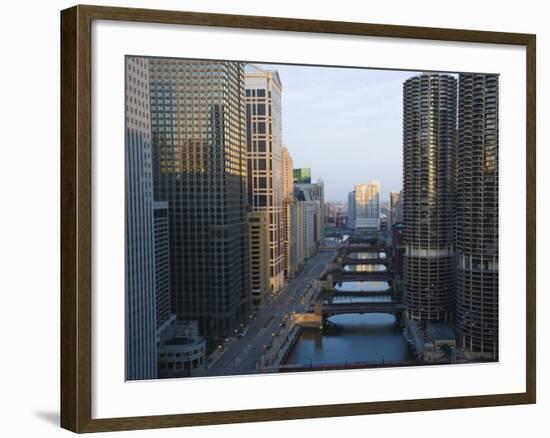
[182,351]
[440,342]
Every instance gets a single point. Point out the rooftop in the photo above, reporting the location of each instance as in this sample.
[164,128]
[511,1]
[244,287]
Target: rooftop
[180,341]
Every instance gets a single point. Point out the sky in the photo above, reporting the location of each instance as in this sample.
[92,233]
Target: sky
[345,124]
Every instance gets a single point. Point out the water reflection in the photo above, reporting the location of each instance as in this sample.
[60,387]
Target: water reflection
[367,255]
[365,268]
[360,286]
[370,338]
[340,299]
[361,339]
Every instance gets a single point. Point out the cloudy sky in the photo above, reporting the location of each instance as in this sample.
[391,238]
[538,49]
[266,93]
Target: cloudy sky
[346,124]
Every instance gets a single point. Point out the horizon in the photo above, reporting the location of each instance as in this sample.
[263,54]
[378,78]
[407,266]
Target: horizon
[316,122]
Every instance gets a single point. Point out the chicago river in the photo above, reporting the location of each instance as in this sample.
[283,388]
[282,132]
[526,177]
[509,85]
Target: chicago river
[275,341]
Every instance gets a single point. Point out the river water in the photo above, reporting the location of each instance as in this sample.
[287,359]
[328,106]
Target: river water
[347,339]
[365,268]
[367,255]
[360,286]
[372,338]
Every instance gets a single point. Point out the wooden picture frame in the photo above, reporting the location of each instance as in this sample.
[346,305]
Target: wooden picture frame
[76,217]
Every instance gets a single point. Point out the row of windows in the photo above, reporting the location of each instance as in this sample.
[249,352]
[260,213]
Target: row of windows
[258,92]
[181,365]
[256,110]
[188,65]
[179,354]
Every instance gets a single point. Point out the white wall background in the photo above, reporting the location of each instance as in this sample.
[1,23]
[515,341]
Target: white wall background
[29,219]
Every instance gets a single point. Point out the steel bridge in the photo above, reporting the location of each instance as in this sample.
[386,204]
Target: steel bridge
[392,307]
[353,261]
[361,293]
[340,276]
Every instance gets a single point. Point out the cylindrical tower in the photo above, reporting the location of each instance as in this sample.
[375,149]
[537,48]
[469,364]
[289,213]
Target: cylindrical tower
[477,214]
[429,126]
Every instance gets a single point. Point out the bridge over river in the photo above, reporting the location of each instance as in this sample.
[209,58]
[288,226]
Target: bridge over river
[340,276]
[347,260]
[330,309]
[365,311]
[359,293]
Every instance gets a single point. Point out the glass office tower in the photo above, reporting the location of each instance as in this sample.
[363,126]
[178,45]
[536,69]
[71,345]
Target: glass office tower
[199,144]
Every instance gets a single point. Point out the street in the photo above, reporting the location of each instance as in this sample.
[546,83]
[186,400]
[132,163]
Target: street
[242,355]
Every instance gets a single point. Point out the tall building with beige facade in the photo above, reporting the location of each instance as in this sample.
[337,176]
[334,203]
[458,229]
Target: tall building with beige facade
[289,244]
[367,206]
[265,186]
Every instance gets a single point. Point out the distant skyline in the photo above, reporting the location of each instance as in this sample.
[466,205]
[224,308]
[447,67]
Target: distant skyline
[345,124]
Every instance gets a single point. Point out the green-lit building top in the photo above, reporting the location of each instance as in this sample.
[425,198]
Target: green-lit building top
[302,176]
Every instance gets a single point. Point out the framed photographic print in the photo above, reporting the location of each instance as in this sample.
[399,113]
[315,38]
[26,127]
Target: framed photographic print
[268,218]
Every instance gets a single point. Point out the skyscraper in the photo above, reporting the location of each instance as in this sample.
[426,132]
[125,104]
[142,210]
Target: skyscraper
[307,215]
[288,200]
[351,210]
[141,355]
[477,214]
[396,210]
[315,192]
[199,136]
[265,185]
[302,176]
[429,111]
[164,316]
[367,206]
[259,256]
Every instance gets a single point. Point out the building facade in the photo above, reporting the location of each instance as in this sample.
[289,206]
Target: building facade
[334,214]
[307,215]
[351,211]
[289,246]
[366,206]
[183,352]
[164,316]
[259,257]
[264,146]
[477,215]
[141,354]
[429,125]
[315,192]
[296,261]
[198,122]
[302,175]
[396,209]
